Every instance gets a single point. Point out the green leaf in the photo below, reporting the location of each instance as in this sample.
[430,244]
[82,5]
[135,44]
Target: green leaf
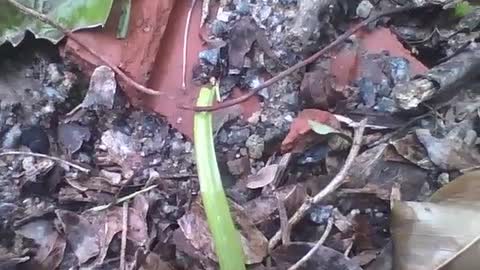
[337,140]
[322,129]
[71,14]
[226,237]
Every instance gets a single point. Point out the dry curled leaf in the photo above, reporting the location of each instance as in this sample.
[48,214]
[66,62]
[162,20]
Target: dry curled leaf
[453,152]
[371,173]
[195,227]
[81,235]
[270,174]
[51,245]
[450,220]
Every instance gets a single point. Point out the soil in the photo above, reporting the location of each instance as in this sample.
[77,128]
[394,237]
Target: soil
[133,154]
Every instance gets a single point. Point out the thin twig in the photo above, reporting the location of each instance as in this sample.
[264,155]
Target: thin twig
[301,64]
[185,45]
[284,228]
[68,163]
[312,251]
[348,250]
[336,182]
[120,200]
[70,35]
[123,246]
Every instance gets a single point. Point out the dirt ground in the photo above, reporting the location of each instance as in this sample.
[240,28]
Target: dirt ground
[81,150]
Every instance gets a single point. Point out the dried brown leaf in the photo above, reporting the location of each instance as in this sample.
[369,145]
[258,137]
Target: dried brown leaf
[371,173]
[81,235]
[450,220]
[195,227]
[51,244]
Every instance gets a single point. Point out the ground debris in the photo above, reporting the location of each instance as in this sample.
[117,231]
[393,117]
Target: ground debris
[193,224]
[280,153]
[440,80]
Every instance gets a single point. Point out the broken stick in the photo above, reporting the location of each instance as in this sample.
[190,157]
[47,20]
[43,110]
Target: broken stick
[301,64]
[65,162]
[336,182]
[312,251]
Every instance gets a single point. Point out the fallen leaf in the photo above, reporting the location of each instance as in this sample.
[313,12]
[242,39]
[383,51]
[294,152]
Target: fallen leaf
[300,127]
[81,235]
[263,177]
[450,220]
[151,261]
[270,174]
[451,152]
[412,150]
[384,260]
[463,188]
[72,136]
[370,173]
[324,258]
[365,257]
[108,223]
[195,227]
[184,245]
[51,244]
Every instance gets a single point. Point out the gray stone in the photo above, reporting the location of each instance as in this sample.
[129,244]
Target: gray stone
[219,28]
[243,7]
[256,146]
[364,9]
[210,56]
[238,136]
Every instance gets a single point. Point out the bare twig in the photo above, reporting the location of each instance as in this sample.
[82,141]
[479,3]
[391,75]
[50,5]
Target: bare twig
[103,59]
[185,44]
[349,249]
[301,64]
[68,163]
[123,246]
[312,251]
[336,182]
[123,199]
[284,228]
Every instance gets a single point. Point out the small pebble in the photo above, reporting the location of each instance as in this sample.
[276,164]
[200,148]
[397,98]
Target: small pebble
[243,8]
[443,179]
[256,146]
[364,9]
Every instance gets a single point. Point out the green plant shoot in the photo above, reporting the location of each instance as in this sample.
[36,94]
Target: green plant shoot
[226,238]
[462,9]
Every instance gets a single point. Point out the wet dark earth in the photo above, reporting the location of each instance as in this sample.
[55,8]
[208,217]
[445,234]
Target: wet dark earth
[413,76]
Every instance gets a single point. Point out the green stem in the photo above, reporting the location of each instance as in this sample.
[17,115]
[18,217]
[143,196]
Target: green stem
[226,238]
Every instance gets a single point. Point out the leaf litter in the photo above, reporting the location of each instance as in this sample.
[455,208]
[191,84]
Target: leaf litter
[419,136]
